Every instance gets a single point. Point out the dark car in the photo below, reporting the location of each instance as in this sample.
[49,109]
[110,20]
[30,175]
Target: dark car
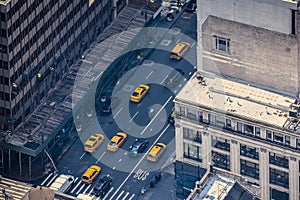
[102,186]
[106,107]
[192,6]
[138,146]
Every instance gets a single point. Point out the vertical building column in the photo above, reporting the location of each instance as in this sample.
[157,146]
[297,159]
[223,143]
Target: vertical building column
[234,157]
[115,6]
[293,178]
[206,150]
[264,173]
[179,141]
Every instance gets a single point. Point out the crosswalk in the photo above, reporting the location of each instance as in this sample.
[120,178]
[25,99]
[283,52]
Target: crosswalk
[79,187]
[13,189]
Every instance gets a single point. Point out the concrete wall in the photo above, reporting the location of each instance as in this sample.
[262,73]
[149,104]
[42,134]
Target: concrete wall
[256,55]
[262,49]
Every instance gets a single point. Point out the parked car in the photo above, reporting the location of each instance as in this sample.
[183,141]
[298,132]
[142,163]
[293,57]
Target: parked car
[139,146]
[191,6]
[102,186]
[62,183]
[90,174]
[106,107]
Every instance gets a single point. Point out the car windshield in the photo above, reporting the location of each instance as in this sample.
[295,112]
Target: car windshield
[136,94]
[88,146]
[85,178]
[92,139]
[112,143]
[134,149]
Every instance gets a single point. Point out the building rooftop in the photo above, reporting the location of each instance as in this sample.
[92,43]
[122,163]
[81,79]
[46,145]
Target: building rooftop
[242,100]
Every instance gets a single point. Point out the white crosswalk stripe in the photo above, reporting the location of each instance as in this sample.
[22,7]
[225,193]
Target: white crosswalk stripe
[75,187]
[132,196]
[120,195]
[48,184]
[108,193]
[85,191]
[80,189]
[46,179]
[127,193]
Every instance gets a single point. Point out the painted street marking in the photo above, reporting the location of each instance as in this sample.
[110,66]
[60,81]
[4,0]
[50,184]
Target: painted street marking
[80,189]
[82,155]
[193,44]
[177,41]
[156,115]
[132,196]
[52,180]
[120,160]
[180,85]
[133,116]
[100,157]
[149,75]
[190,73]
[164,79]
[127,193]
[108,193]
[85,191]
[118,112]
[120,195]
[46,179]
[112,197]
[76,187]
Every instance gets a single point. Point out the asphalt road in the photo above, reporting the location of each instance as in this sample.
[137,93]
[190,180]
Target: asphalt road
[130,173]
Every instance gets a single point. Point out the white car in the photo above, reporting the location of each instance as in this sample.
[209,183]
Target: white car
[62,183]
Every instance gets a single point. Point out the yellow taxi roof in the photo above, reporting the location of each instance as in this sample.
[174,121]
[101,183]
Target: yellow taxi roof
[115,138]
[155,149]
[178,47]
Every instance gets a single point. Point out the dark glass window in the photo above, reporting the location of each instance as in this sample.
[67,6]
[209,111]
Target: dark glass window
[239,127]
[191,113]
[220,121]
[222,44]
[248,129]
[257,131]
[249,169]
[228,124]
[278,160]
[221,160]
[250,152]
[287,140]
[192,152]
[220,143]
[269,134]
[277,137]
[211,119]
[278,177]
[200,114]
[192,135]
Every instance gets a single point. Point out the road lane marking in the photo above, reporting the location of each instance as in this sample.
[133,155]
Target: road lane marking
[127,193]
[175,91]
[125,153]
[132,196]
[80,189]
[46,179]
[180,85]
[114,168]
[108,193]
[192,44]
[190,73]
[85,191]
[52,180]
[156,115]
[82,155]
[164,79]
[120,195]
[139,163]
[149,75]
[120,160]
[118,112]
[100,157]
[90,192]
[76,187]
[133,116]
[177,41]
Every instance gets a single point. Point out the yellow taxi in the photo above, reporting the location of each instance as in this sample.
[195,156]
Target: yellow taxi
[156,152]
[93,142]
[139,93]
[179,50]
[116,141]
[90,174]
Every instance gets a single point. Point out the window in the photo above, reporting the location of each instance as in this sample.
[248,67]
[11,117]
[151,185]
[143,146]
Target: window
[200,114]
[192,152]
[277,137]
[278,160]
[211,119]
[182,111]
[278,177]
[248,151]
[249,169]
[222,44]
[228,124]
[192,135]
[221,160]
[298,143]
[191,113]
[269,134]
[287,140]
[220,121]
[239,127]
[257,131]
[220,143]
[248,129]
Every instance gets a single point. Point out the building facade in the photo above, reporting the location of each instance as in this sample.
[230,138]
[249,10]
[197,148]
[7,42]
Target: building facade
[39,40]
[240,129]
[255,41]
